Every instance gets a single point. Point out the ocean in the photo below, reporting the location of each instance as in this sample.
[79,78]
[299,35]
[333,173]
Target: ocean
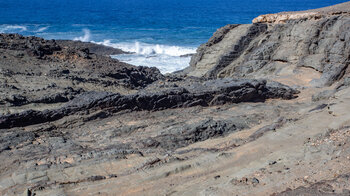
[158,32]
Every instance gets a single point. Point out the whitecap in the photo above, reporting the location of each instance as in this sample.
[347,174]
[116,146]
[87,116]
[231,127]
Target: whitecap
[165,63]
[151,49]
[41,29]
[165,57]
[12,28]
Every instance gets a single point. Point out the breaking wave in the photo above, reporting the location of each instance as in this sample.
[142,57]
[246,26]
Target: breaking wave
[166,58]
[86,37]
[151,49]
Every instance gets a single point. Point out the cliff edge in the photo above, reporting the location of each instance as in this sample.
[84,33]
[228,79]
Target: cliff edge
[283,17]
[275,45]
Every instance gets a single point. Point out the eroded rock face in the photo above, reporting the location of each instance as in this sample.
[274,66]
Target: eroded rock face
[283,18]
[223,48]
[265,50]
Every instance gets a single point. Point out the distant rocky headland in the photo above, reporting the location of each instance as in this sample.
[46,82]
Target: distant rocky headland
[261,110]
[315,14]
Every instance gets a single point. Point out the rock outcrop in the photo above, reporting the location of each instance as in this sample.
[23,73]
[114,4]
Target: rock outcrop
[93,48]
[315,14]
[209,93]
[262,110]
[264,50]
[34,70]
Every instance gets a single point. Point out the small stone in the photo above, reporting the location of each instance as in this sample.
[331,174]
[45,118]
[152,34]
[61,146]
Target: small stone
[27,192]
[112,176]
[255,181]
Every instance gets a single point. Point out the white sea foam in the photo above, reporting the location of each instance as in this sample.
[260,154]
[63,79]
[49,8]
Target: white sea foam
[166,58]
[165,63]
[28,28]
[86,37]
[12,28]
[41,29]
[151,49]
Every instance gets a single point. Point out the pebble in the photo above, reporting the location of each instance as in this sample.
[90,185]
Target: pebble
[255,181]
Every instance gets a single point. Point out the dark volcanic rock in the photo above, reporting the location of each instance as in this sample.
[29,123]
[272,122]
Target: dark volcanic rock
[37,73]
[212,92]
[60,97]
[191,134]
[17,100]
[40,47]
[34,46]
[64,96]
[322,188]
[93,48]
[137,77]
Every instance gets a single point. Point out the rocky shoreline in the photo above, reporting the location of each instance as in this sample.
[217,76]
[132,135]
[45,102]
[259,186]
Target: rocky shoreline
[262,110]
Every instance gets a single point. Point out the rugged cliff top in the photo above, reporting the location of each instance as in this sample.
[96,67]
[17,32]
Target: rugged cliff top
[282,17]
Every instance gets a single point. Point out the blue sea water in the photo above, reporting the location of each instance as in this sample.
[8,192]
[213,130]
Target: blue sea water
[158,31]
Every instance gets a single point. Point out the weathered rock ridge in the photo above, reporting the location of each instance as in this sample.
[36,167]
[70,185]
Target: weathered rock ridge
[264,50]
[339,9]
[209,93]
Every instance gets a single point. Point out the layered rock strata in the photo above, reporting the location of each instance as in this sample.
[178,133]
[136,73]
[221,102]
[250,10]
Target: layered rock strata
[264,50]
[262,110]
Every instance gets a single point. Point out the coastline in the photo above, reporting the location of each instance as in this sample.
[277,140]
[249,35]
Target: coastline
[261,110]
